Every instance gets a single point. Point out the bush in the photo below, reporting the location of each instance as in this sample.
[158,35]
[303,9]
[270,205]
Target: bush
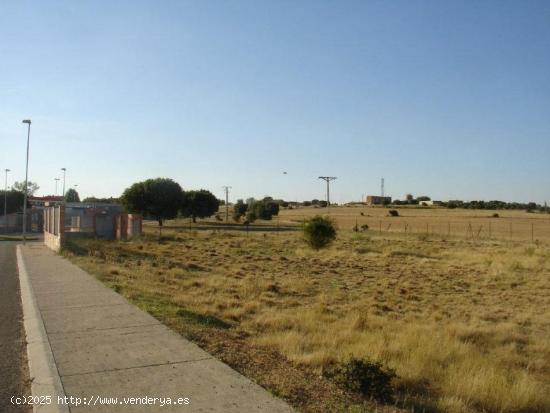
[495,215]
[264,209]
[239,209]
[393,213]
[364,227]
[366,377]
[319,231]
[251,217]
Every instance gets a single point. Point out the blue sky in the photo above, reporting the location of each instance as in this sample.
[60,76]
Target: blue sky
[445,98]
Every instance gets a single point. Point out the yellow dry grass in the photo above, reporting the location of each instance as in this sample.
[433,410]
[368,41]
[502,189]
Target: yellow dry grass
[465,324]
[473,224]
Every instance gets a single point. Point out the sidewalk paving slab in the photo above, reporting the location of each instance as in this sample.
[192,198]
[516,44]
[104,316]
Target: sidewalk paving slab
[104,346]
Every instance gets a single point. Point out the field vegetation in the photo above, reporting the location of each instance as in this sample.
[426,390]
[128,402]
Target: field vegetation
[463,323]
[514,225]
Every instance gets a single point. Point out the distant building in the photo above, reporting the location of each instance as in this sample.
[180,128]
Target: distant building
[378,200]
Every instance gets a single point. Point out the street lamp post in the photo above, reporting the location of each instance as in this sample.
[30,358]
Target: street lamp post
[28,122]
[56,181]
[6,202]
[64,173]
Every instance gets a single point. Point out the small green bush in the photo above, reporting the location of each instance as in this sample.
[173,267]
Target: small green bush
[366,377]
[251,217]
[319,231]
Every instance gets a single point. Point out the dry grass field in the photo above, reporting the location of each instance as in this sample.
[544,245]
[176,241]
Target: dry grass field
[464,322]
[510,224]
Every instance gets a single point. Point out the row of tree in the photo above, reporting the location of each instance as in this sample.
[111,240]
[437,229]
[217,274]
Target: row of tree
[163,198]
[14,201]
[255,209]
[530,206]
[15,196]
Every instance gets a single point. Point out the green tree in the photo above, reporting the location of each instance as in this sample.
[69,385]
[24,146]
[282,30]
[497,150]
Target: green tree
[71,195]
[159,198]
[250,217]
[14,201]
[239,210]
[32,187]
[199,204]
[95,200]
[265,209]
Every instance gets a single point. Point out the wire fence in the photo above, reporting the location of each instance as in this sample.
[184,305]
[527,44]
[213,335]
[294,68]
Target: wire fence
[514,229]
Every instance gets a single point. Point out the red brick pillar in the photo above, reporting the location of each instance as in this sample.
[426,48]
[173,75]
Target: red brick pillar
[61,225]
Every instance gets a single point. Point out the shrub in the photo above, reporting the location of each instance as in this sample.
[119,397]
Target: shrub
[239,209]
[393,213]
[319,231]
[369,378]
[364,227]
[251,217]
[266,208]
[495,215]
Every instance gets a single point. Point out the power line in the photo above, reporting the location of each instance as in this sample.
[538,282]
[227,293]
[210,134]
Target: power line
[327,179]
[226,188]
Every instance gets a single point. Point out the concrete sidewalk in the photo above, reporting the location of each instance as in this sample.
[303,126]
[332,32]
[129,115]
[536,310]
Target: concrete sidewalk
[102,346]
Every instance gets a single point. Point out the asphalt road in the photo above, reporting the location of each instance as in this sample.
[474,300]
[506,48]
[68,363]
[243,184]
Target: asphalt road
[14,376]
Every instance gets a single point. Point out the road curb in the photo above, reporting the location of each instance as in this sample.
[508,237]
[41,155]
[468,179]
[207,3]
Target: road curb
[42,368]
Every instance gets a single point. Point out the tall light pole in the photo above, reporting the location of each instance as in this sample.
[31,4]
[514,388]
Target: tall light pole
[6,201]
[56,181]
[64,173]
[328,179]
[226,203]
[28,122]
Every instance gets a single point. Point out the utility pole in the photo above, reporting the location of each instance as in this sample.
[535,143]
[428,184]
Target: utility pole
[327,179]
[382,188]
[6,202]
[28,122]
[64,173]
[226,203]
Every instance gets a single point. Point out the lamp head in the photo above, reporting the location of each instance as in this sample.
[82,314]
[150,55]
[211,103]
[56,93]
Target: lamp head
[27,121]
[63,169]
